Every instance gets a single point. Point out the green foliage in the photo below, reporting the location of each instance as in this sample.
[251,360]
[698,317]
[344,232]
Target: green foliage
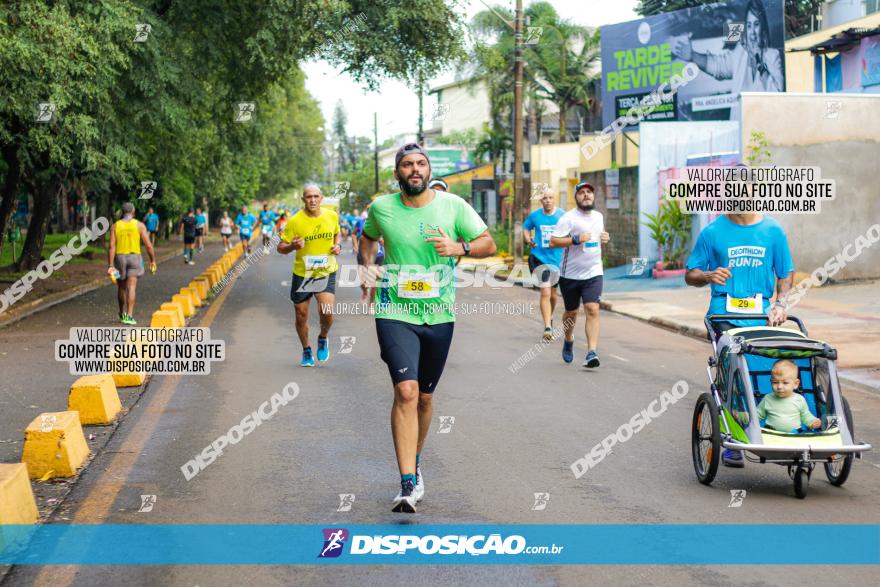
[758,151]
[361,179]
[52,243]
[468,138]
[494,146]
[462,189]
[165,109]
[560,63]
[501,237]
[671,230]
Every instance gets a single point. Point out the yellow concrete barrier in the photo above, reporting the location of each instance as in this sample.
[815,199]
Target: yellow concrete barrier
[210,276]
[218,267]
[185,301]
[95,398]
[201,284]
[17,504]
[174,307]
[185,291]
[165,319]
[194,292]
[54,445]
[129,379]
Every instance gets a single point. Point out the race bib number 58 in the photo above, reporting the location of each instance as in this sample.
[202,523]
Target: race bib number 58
[417,286]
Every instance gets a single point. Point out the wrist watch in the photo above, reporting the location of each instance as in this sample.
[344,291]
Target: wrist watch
[467,248]
[781,304]
[575,239]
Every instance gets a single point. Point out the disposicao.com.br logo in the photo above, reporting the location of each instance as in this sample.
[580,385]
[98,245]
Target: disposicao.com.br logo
[334,540]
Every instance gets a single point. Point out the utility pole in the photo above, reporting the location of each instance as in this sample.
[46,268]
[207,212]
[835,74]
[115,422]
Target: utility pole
[516,211]
[375,153]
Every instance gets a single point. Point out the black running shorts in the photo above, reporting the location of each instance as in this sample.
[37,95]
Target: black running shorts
[580,291]
[303,288]
[414,352]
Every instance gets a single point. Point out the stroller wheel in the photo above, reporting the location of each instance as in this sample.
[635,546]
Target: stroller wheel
[801,482]
[838,471]
[706,439]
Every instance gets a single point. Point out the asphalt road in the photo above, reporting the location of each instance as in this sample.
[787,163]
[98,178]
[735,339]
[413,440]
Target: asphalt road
[513,435]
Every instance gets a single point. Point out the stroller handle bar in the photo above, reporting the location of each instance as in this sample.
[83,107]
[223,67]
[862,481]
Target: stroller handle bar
[708,320]
[853,448]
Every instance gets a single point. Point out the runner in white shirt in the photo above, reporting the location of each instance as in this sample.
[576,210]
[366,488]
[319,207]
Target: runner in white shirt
[581,232]
[226,230]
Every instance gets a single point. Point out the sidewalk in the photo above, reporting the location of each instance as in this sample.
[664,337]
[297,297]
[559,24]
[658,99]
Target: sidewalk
[33,382]
[846,316]
[72,280]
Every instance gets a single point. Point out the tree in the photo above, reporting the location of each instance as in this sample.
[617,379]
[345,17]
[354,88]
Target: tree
[468,138]
[563,63]
[166,109]
[495,145]
[340,136]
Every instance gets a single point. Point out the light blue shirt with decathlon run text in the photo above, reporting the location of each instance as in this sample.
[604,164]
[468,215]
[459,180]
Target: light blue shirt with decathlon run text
[755,255]
[543,223]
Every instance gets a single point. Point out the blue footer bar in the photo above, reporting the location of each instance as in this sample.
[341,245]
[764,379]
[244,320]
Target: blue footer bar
[613,544]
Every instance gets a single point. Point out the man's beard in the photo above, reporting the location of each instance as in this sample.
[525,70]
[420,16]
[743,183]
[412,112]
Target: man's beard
[586,207]
[412,190]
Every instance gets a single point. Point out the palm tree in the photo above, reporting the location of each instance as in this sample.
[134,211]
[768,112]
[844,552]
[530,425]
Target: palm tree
[494,144]
[562,64]
[560,67]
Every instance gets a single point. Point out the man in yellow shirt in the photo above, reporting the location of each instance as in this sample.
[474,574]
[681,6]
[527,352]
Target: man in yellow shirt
[314,234]
[126,262]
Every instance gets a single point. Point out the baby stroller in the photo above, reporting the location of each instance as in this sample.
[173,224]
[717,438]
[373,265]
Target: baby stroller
[726,416]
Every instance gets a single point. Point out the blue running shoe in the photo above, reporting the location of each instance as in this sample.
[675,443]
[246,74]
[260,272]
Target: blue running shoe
[307,360]
[732,458]
[323,350]
[591,360]
[568,351]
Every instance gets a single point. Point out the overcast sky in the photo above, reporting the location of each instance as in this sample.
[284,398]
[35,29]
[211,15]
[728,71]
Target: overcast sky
[398,106]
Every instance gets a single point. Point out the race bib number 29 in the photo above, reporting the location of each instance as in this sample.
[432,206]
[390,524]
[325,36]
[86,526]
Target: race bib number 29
[750,305]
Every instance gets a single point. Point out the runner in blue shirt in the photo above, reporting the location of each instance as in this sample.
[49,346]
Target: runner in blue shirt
[267,226]
[745,258]
[245,222]
[537,230]
[151,221]
[201,225]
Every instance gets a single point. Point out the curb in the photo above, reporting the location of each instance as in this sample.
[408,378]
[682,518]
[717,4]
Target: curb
[46,302]
[857,384]
[697,333]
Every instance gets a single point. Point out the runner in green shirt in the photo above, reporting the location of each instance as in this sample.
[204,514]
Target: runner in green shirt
[423,230]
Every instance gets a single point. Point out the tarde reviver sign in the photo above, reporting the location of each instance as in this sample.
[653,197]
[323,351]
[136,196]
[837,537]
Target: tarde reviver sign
[737,46]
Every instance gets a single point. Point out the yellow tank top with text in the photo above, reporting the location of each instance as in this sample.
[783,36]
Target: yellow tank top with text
[128,238]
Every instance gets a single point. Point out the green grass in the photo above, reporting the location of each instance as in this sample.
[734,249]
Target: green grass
[53,242]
